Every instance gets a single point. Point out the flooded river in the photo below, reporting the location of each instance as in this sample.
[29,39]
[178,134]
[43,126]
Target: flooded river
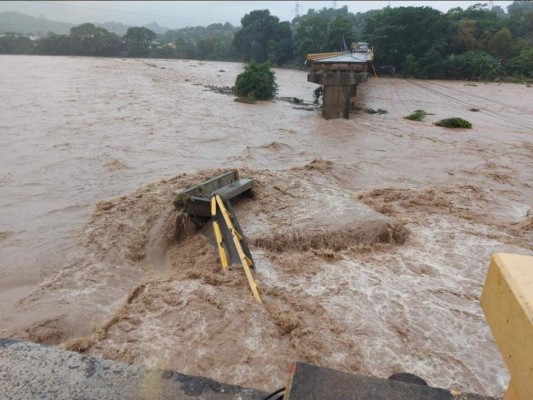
[92,150]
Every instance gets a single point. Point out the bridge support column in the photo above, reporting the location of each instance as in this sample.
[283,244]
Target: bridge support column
[339,88]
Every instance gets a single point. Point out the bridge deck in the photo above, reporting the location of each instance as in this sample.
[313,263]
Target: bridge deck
[348,58]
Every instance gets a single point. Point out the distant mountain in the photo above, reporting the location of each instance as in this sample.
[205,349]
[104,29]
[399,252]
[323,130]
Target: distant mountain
[115,27]
[121,29]
[11,21]
[155,27]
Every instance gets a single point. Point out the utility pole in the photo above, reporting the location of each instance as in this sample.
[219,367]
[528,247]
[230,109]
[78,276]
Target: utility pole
[297,9]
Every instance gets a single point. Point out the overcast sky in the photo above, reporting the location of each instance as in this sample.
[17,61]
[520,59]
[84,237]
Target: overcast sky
[178,14]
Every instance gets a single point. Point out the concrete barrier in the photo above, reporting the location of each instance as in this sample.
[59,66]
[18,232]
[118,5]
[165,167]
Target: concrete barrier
[32,371]
[507,301]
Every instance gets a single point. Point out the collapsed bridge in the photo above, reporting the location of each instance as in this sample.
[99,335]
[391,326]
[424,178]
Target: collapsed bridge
[340,73]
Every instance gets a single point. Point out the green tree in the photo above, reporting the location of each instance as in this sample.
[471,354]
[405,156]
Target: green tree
[213,42]
[259,37]
[501,44]
[431,64]
[522,63]
[89,40]
[499,11]
[13,43]
[396,32]
[207,47]
[185,49]
[467,31]
[310,35]
[519,7]
[163,51]
[410,66]
[473,65]
[256,82]
[280,46]
[340,31]
[521,19]
[471,29]
[54,45]
[138,41]
[324,30]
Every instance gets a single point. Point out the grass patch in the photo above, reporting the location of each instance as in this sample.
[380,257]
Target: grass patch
[454,123]
[418,115]
[378,111]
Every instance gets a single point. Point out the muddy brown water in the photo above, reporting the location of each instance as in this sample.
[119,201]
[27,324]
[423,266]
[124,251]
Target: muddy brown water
[372,236]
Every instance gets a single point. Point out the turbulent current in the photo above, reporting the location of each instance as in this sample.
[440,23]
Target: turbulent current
[372,236]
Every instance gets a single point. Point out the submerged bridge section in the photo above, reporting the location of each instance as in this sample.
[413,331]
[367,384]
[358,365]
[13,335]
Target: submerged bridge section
[339,73]
[211,200]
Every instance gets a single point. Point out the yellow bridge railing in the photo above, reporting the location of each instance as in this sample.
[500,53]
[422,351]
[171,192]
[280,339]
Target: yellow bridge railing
[507,301]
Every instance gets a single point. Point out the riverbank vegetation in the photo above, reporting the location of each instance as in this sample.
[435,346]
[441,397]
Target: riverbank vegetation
[476,43]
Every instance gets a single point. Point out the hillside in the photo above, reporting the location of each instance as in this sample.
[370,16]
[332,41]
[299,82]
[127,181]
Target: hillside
[155,27]
[114,27]
[11,21]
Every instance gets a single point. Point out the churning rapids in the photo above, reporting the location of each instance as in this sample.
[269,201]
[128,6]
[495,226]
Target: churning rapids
[372,236]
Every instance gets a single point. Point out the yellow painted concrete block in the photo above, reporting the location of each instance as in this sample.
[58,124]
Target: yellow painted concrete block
[317,56]
[507,301]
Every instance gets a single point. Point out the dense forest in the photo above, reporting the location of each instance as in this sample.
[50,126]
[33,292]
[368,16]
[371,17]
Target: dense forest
[474,43]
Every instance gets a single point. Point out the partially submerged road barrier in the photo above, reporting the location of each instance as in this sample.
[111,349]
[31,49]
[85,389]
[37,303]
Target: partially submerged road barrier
[224,221]
[210,200]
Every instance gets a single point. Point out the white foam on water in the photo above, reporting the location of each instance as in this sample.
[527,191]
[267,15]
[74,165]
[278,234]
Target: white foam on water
[412,307]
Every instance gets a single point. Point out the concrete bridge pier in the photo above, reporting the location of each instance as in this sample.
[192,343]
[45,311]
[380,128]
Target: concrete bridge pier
[339,88]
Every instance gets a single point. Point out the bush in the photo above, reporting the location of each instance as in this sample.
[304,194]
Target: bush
[256,82]
[454,123]
[522,64]
[418,115]
[318,93]
[474,65]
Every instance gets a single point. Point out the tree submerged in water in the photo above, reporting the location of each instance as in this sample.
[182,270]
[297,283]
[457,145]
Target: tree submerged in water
[318,94]
[454,123]
[418,115]
[256,82]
